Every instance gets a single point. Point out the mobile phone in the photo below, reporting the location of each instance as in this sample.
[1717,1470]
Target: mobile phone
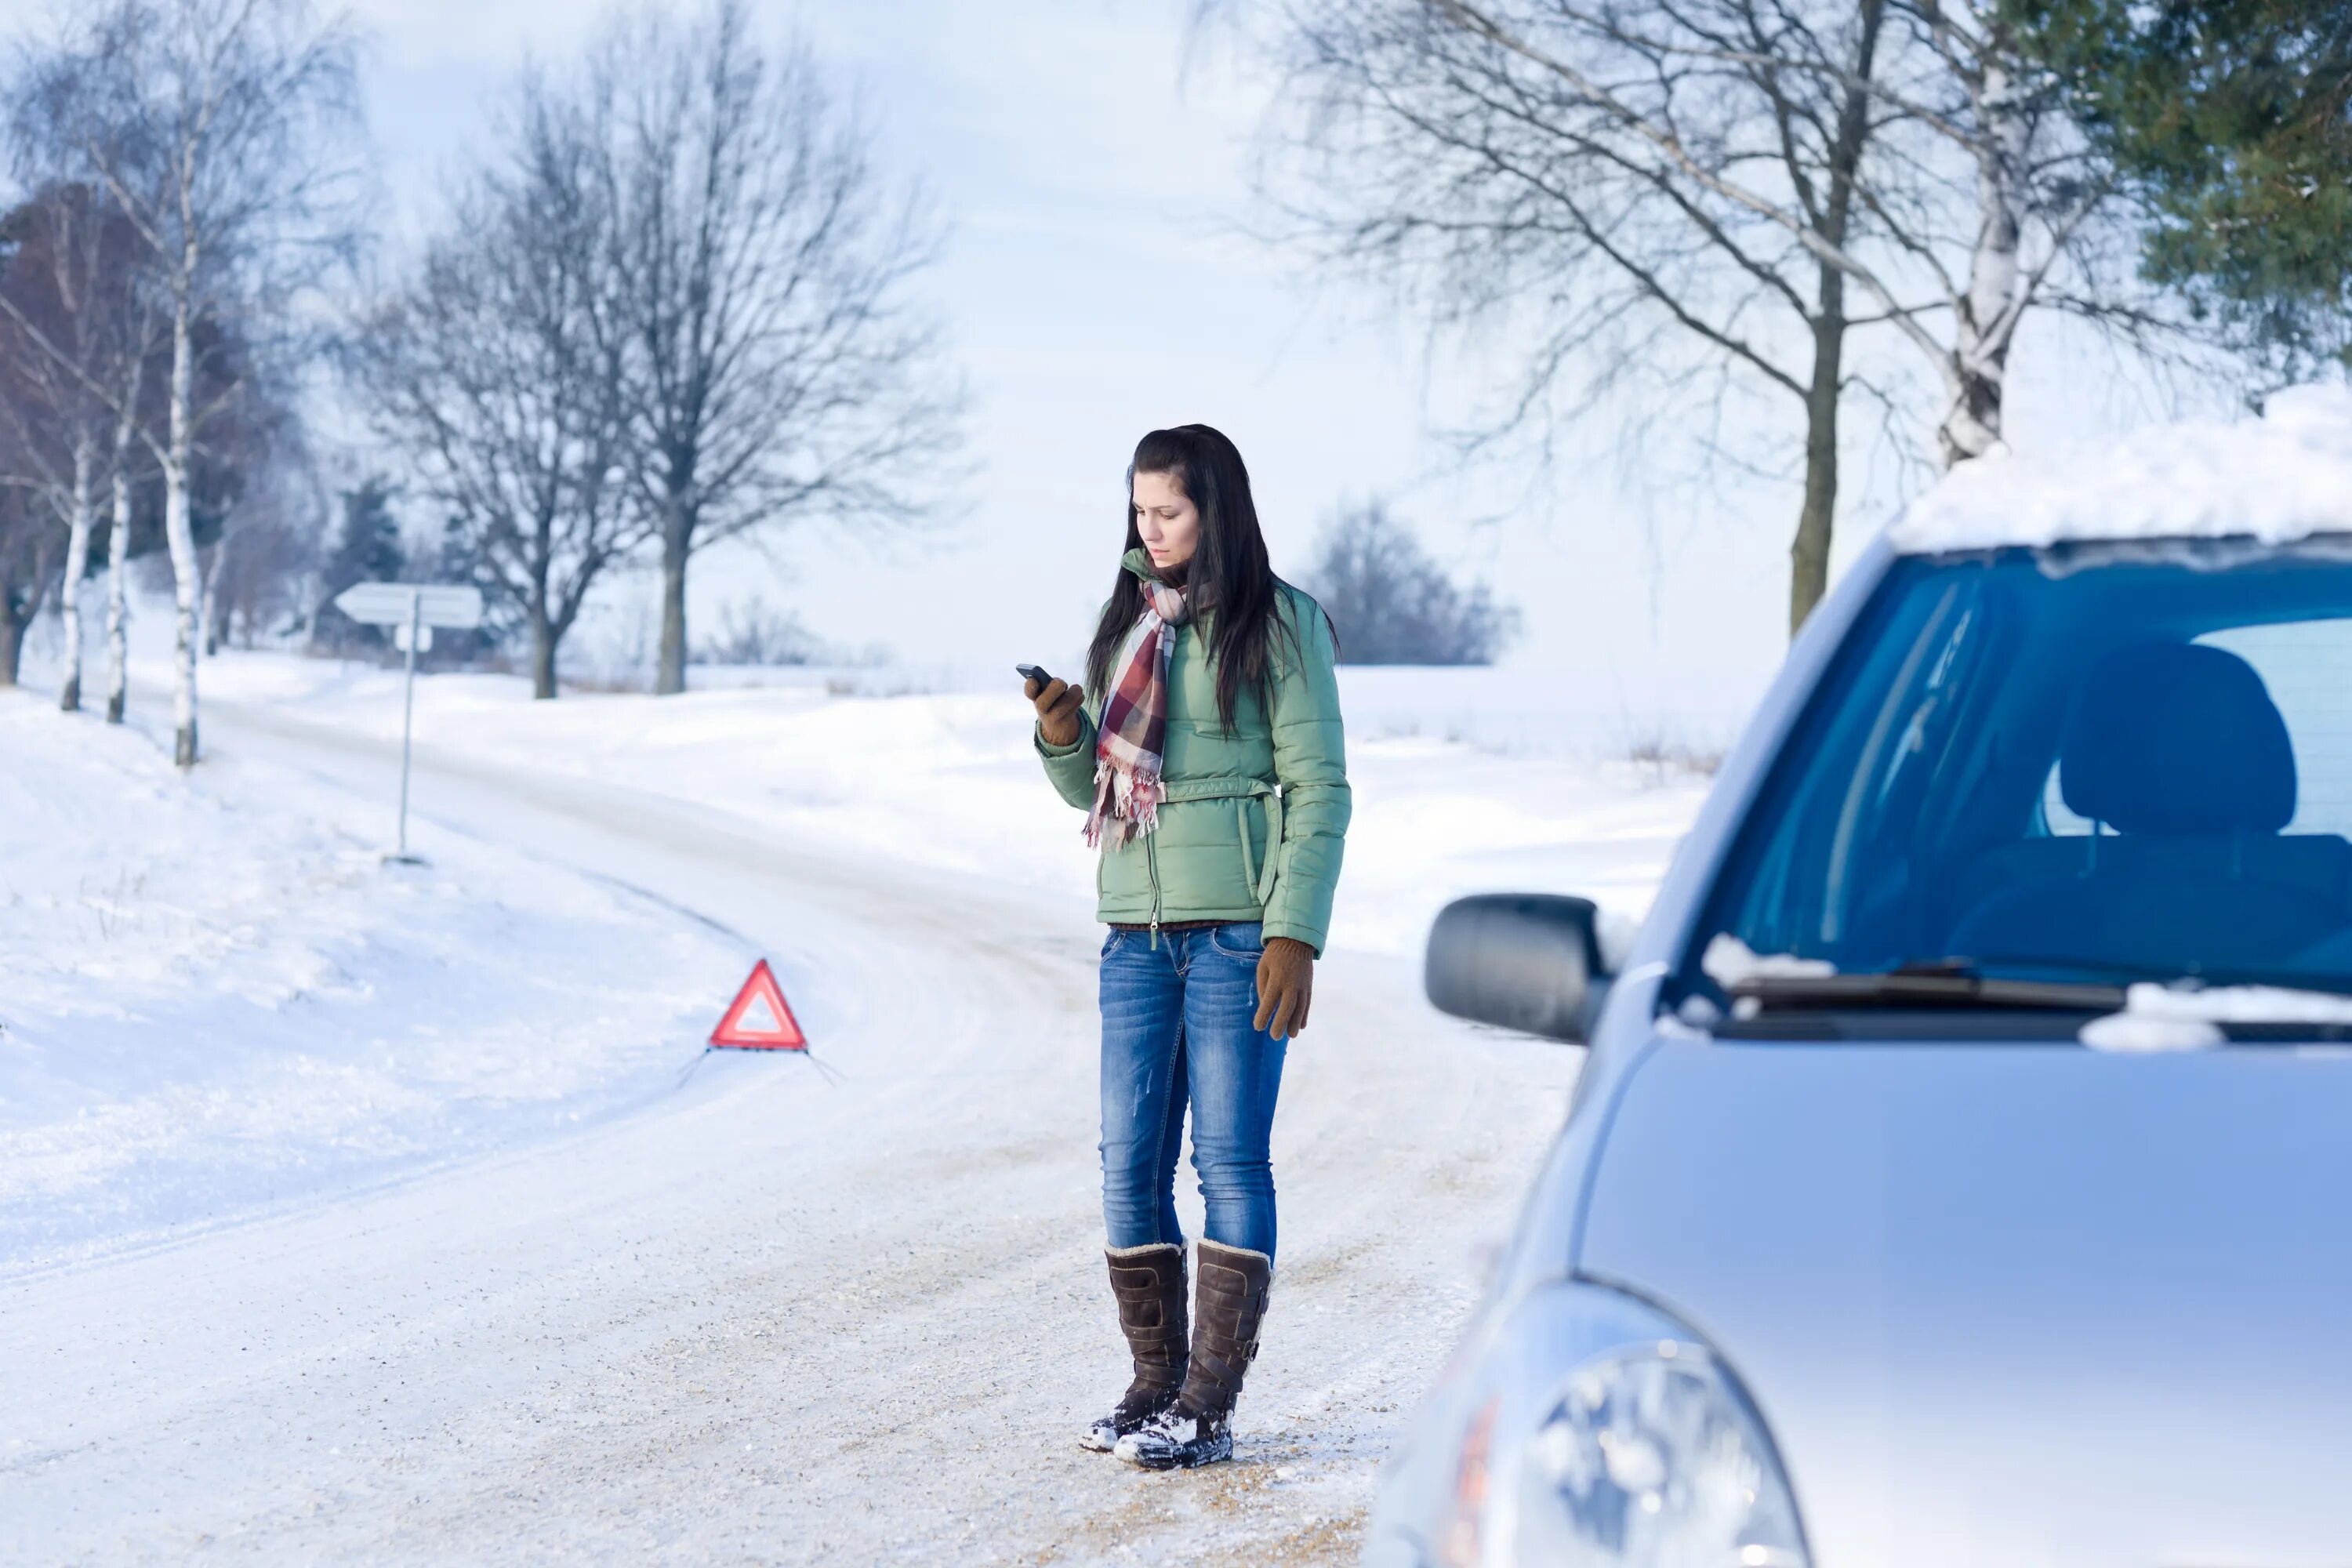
[1032,672]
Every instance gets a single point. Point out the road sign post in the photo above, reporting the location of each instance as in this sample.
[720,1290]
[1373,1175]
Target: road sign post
[408,719]
[413,609]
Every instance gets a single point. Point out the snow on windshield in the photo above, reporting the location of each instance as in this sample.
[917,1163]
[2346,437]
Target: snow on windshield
[2280,478]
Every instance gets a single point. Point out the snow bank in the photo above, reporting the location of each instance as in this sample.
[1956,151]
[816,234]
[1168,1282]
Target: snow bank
[215,997]
[2283,477]
[950,780]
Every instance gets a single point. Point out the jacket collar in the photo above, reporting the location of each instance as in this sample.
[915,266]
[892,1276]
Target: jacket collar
[1138,562]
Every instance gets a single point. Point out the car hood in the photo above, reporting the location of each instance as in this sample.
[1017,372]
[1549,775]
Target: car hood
[2013,1304]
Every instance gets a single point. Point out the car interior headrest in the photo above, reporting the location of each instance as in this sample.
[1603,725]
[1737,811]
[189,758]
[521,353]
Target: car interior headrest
[2177,738]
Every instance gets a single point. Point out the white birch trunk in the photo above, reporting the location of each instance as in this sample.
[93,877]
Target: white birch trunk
[179,534]
[209,644]
[118,552]
[1988,320]
[118,596]
[76,563]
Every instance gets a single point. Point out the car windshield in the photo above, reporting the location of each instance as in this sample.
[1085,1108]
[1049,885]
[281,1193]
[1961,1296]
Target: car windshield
[2081,765]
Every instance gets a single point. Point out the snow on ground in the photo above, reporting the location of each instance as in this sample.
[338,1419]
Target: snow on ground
[215,996]
[1464,781]
[433,1297]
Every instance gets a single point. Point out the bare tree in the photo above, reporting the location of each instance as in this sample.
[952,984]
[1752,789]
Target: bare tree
[498,371]
[255,572]
[751,632]
[270,501]
[47,449]
[1391,603]
[67,320]
[1742,197]
[28,565]
[2044,225]
[779,372]
[218,128]
[132,390]
[92,337]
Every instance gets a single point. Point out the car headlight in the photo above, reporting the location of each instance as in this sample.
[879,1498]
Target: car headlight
[1612,1435]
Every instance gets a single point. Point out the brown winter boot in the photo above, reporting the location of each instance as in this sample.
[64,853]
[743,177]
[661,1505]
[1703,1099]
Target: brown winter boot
[1228,1311]
[1148,1283]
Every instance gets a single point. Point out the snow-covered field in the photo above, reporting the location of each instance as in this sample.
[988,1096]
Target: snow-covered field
[1464,779]
[355,1212]
[219,998]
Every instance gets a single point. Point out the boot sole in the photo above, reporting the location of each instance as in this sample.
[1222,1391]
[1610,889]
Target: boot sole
[1093,1441]
[1183,1459]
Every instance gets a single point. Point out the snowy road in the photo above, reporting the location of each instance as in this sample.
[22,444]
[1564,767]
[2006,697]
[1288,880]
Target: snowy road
[779,1316]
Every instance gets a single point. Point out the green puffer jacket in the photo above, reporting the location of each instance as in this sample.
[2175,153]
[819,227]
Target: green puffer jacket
[1253,822]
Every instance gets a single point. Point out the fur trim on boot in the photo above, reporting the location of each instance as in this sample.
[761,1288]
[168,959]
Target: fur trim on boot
[1148,1282]
[1229,1307]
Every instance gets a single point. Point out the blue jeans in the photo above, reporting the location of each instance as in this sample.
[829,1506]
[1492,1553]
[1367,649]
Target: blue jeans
[1177,1028]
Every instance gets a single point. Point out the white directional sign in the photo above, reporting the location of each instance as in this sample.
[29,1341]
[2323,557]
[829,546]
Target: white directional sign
[401,604]
[413,610]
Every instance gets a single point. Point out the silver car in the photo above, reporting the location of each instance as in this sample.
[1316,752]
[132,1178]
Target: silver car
[1962,1170]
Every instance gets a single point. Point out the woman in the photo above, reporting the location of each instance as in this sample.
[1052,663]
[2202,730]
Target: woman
[1210,764]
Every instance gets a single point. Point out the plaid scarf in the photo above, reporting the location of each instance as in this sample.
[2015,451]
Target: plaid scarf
[1132,739]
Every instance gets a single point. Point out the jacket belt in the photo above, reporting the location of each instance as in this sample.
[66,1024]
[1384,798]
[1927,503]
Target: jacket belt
[1241,790]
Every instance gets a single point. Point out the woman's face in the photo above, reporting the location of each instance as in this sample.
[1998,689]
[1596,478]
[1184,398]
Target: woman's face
[1166,518]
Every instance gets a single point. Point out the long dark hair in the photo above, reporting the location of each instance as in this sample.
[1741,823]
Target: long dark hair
[1229,578]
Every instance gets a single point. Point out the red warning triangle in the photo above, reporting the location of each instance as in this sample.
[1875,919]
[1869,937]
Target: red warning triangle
[758,1019]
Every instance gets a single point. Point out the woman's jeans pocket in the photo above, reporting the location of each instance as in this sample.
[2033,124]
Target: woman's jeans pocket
[1242,939]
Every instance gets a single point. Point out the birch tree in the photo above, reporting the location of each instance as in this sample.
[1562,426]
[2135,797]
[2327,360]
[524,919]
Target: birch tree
[1796,202]
[219,129]
[260,486]
[28,565]
[257,570]
[55,423]
[2042,224]
[498,373]
[779,370]
[76,334]
[131,398]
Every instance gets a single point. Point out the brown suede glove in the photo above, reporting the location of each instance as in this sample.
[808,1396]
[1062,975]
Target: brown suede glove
[1057,709]
[1286,983]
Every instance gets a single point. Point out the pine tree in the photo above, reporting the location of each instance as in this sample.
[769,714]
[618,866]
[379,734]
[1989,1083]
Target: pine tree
[2228,119]
[368,549]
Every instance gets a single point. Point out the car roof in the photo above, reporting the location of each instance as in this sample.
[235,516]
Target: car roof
[2277,479]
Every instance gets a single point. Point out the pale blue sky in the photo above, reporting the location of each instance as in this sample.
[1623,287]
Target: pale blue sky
[1093,287]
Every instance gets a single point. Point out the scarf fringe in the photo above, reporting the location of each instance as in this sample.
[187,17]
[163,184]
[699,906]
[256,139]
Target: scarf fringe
[1126,803]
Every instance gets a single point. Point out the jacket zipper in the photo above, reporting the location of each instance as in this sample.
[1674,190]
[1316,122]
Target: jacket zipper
[1150,852]
[1152,866]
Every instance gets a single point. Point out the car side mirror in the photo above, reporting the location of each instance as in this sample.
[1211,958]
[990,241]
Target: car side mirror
[1530,961]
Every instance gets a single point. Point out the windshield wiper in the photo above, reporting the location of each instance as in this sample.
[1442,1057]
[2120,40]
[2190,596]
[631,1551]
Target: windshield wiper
[2317,983]
[1944,984]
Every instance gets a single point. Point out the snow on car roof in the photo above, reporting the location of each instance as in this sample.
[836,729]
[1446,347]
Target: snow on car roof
[2283,477]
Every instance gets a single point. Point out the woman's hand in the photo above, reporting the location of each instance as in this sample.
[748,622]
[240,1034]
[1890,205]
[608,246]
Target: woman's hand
[1057,709]
[1286,983]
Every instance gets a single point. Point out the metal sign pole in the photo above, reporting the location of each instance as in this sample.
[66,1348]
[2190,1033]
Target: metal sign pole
[417,606]
[408,713]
